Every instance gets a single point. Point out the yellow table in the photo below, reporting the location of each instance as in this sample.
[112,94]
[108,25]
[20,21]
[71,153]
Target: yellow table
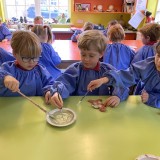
[122,133]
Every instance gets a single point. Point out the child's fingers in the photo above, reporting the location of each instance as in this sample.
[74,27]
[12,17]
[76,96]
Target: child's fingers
[93,85]
[55,100]
[13,86]
[112,101]
[47,97]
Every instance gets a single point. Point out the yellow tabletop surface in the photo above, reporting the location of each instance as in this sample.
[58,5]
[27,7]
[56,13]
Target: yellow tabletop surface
[121,133]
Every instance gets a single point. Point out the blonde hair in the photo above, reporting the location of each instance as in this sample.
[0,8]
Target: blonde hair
[151,30]
[43,32]
[88,26]
[92,39]
[26,43]
[116,33]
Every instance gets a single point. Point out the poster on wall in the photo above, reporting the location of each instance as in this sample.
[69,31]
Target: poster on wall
[141,5]
[136,19]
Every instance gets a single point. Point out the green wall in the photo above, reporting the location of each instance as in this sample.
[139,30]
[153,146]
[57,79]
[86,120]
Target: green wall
[152,6]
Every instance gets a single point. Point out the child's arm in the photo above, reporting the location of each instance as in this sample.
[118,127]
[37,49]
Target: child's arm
[55,58]
[112,101]
[8,81]
[144,96]
[6,33]
[74,36]
[153,99]
[56,100]
[11,83]
[97,83]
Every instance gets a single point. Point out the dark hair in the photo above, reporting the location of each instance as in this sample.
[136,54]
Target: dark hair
[112,22]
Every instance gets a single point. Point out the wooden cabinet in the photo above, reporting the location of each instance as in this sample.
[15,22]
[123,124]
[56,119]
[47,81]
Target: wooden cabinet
[62,36]
[130,36]
[117,5]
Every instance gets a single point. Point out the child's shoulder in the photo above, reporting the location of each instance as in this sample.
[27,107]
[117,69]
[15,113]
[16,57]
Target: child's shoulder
[78,31]
[146,47]
[8,64]
[76,65]
[145,64]
[106,66]
[46,45]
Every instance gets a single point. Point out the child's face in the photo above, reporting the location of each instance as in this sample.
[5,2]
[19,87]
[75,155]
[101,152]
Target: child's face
[144,39]
[27,62]
[39,21]
[157,61]
[90,58]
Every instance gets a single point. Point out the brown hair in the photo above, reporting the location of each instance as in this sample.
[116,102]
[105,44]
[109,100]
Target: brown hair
[116,33]
[92,38]
[43,32]
[157,48]
[112,22]
[151,30]
[26,43]
[38,18]
[88,26]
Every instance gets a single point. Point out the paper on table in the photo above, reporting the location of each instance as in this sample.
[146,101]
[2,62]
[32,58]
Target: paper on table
[136,19]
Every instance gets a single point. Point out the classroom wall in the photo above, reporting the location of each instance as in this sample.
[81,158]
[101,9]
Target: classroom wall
[152,6]
[79,18]
[1,10]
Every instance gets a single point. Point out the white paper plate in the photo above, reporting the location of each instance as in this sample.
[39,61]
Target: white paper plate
[61,118]
[148,157]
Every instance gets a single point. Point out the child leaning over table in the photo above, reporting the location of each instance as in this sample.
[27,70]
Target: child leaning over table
[148,71]
[117,54]
[75,79]
[25,74]
[49,57]
[86,26]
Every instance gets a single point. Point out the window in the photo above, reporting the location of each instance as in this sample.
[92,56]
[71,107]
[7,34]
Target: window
[157,18]
[57,10]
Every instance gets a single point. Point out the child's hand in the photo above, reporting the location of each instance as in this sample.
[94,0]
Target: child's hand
[11,83]
[56,100]
[112,101]
[144,96]
[77,36]
[4,40]
[96,83]
[48,97]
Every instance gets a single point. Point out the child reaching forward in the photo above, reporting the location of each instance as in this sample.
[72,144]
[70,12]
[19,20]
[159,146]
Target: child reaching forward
[25,74]
[77,76]
[148,71]
[117,54]
[87,26]
[49,57]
